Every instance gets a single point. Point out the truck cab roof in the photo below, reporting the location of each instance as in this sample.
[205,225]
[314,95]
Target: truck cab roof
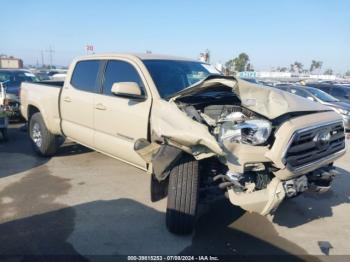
[141,56]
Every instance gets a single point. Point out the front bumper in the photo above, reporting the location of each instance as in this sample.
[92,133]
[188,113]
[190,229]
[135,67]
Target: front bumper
[239,156]
[267,200]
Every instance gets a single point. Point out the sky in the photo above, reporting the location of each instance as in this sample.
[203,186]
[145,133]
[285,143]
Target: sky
[272,33]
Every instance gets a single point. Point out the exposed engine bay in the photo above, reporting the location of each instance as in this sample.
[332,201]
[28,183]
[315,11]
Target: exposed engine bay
[234,124]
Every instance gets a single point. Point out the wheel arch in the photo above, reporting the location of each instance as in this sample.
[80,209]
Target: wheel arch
[33,109]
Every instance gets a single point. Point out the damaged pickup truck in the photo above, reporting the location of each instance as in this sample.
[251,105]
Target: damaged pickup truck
[195,131]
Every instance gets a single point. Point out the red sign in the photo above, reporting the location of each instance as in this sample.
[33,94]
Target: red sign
[90,48]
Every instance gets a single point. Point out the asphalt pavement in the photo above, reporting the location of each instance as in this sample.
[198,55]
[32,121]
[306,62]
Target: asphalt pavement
[83,203]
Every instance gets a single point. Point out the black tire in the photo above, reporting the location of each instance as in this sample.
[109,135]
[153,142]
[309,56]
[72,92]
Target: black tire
[5,136]
[48,145]
[183,196]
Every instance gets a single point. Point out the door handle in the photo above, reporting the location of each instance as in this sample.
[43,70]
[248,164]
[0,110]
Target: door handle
[100,107]
[67,99]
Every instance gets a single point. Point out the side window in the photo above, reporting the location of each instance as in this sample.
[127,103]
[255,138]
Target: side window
[338,92]
[120,71]
[85,75]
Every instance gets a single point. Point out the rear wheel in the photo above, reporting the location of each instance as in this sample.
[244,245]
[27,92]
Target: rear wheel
[183,196]
[44,142]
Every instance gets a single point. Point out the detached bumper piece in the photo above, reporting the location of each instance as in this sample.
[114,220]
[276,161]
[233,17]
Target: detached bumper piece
[263,201]
[320,180]
[267,200]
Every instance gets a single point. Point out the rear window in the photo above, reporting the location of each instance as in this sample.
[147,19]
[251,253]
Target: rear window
[85,75]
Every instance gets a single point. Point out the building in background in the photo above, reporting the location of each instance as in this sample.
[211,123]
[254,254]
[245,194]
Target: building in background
[283,75]
[10,62]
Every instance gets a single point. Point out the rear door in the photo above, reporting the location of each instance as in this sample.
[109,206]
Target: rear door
[77,100]
[120,121]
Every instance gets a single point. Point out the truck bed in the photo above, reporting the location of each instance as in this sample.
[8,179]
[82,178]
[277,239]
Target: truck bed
[43,97]
[51,83]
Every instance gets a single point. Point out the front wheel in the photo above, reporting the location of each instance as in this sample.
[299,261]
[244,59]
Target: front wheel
[183,196]
[44,142]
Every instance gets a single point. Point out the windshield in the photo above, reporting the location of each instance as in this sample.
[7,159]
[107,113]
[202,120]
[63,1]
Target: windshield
[172,76]
[322,95]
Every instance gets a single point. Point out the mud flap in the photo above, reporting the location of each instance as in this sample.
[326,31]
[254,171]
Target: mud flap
[263,201]
[159,189]
[164,159]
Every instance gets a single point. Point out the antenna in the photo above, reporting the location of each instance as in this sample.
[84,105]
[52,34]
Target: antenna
[42,58]
[50,51]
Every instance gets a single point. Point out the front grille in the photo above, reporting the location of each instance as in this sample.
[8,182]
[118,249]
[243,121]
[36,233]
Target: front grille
[313,144]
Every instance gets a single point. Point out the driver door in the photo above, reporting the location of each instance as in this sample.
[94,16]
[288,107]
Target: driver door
[120,120]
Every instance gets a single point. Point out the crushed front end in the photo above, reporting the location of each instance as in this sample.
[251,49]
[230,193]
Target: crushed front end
[258,145]
[300,158]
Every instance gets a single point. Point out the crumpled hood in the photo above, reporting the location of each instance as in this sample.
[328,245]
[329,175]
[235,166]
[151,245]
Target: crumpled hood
[266,101]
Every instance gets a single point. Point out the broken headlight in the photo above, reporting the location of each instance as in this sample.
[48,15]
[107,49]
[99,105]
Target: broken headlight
[253,131]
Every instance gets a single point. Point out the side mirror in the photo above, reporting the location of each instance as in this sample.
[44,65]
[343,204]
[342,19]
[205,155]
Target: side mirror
[128,90]
[311,98]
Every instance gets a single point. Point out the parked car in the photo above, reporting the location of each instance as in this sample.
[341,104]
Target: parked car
[191,128]
[3,112]
[342,92]
[318,95]
[12,79]
[58,77]
[43,76]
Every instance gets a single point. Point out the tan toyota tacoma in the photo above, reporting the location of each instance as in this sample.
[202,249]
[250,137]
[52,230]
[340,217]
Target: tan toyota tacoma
[195,131]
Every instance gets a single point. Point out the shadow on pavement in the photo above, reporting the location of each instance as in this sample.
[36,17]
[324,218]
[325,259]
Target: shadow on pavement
[71,148]
[220,232]
[33,223]
[311,206]
[17,154]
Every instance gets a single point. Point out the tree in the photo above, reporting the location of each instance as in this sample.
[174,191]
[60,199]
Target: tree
[282,69]
[241,62]
[328,72]
[249,67]
[315,65]
[296,67]
[347,73]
